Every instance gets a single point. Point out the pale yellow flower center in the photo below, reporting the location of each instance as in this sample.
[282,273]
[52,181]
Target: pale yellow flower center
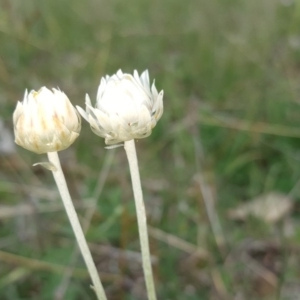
[35,93]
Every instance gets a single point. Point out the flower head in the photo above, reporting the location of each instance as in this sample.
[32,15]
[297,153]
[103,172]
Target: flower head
[46,121]
[126,108]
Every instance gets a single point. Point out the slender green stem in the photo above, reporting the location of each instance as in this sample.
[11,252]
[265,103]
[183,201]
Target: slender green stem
[141,217]
[69,207]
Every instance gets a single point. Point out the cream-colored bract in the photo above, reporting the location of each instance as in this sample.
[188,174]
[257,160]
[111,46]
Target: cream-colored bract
[46,121]
[126,108]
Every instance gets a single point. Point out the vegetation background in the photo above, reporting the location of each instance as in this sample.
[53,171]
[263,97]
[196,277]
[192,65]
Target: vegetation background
[230,70]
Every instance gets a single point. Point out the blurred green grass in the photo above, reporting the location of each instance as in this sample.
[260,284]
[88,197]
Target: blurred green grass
[230,73]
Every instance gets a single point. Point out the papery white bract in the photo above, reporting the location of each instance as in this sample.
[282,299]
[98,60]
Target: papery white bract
[126,108]
[46,121]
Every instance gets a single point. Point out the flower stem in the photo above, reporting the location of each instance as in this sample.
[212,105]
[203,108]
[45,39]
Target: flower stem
[69,207]
[141,217]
